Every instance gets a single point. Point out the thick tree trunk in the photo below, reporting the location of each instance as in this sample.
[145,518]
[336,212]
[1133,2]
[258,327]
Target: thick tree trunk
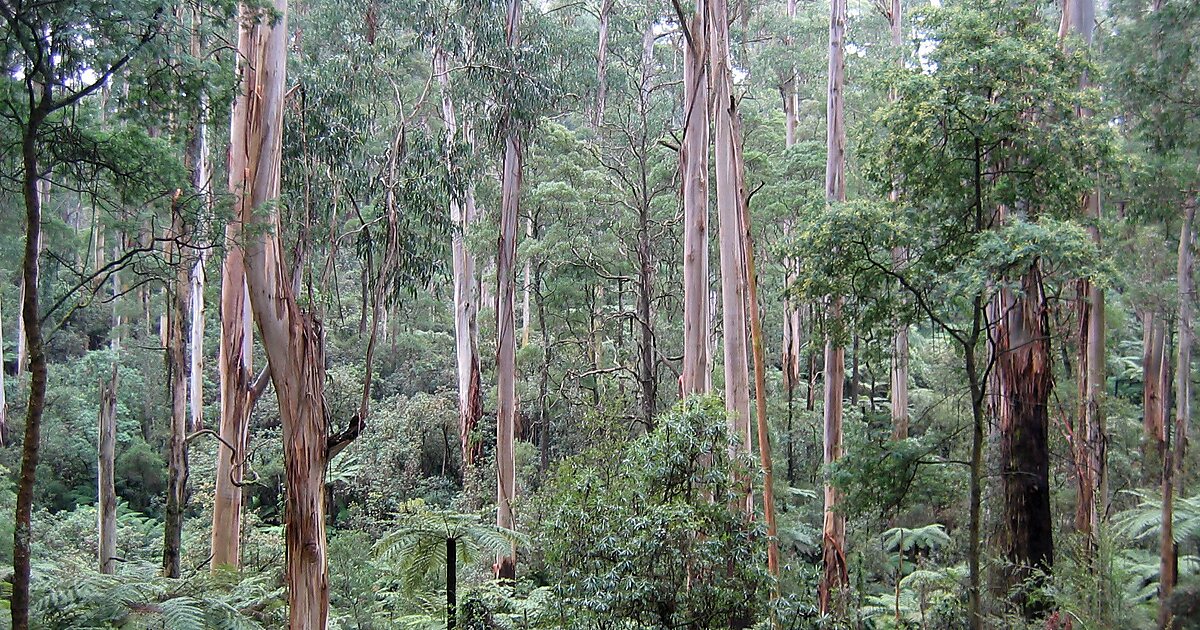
[506,371]
[177,366]
[106,503]
[1023,365]
[1174,457]
[730,198]
[693,162]
[466,306]
[835,576]
[30,316]
[292,339]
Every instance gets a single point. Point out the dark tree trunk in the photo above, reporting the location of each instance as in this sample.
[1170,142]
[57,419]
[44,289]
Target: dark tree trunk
[22,528]
[1024,369]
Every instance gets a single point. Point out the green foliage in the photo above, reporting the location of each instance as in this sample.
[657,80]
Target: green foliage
[644,534]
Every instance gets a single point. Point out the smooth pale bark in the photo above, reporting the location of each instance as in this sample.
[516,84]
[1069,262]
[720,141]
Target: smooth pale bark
[792,357]
[177,367]
[22,341]
[606,7]
[693,162]
[1175,452]
[292,339]
[466,306]
[729,220]
[525,312]
[1154,400]
[835,576]
[1089,436]
[235,369]
[198,158]
[760,399]
[106,492]
[506,370]
[899,367]
[1023,367]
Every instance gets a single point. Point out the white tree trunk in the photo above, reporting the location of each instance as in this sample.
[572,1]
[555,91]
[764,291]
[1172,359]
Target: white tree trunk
[693,159]
[466,306]
[506,371]
[730,198]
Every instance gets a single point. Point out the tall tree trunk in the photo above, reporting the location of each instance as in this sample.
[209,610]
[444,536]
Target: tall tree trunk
[760,410]
[506,371]
[106,503]
[835,576]
[1080,15]
[466,306]
[606,7]
[899,371]
[1023,365]
[647,378]
[1173,460]
[693,162]
[1154,400]
[236,351]
[292,338]
[198,158]
[177,366]
[730,198]
[792,356]
[30,316]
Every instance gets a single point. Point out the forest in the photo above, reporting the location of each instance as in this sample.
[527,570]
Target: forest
[598,314]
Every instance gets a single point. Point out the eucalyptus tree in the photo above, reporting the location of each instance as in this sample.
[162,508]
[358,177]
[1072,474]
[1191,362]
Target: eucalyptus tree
[956,149]
[50,72]
[292,337]
[1156,94]
[834,528]
[693,166]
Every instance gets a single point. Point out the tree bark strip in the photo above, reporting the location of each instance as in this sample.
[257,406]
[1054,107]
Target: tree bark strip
[693,162]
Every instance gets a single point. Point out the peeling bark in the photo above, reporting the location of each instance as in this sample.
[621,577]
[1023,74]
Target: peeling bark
[293,339]
[1023,366]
